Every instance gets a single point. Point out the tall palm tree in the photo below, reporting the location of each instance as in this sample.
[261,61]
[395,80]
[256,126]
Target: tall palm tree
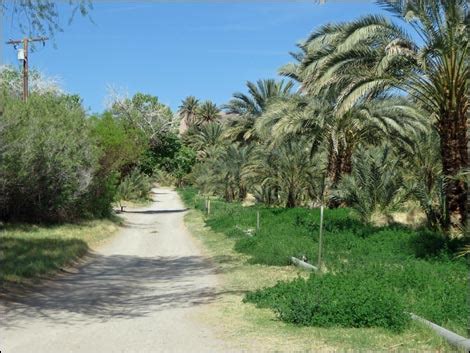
[246,108]
[207,112]
[434,70]
[259,94]
[188,110]
[338,135]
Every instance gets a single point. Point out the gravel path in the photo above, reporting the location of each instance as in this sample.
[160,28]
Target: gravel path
[139,293]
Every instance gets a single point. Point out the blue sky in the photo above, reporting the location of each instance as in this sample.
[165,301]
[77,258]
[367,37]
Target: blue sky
[172,50]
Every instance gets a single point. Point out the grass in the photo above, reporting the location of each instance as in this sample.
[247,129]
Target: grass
[31,252]
[434,287]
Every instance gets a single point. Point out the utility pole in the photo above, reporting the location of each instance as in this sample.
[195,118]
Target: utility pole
[23,56]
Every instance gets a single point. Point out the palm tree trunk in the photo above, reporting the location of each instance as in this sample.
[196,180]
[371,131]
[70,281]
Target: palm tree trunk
[346,163]
[454,154]
[291,199]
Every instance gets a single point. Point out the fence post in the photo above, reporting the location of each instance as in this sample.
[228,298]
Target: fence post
[320,240]
[257,221]
[209,207]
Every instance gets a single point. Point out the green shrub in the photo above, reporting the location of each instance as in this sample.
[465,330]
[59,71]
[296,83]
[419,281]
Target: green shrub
[433,286]
[134,187]
[351,299]
[48,159]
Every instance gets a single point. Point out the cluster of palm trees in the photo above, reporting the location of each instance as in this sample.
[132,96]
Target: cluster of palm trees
[194,113]
[373,114]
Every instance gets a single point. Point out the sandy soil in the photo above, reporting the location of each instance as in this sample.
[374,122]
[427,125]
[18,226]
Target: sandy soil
[141,292]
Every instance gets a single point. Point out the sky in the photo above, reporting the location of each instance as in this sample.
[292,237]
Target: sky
[208,49]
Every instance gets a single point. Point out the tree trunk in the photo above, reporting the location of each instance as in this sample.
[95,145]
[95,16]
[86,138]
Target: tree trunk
[291,199]
[346,163]
[454,154]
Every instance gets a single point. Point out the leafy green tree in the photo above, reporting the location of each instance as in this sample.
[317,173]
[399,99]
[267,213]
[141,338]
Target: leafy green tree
[207,140]
[259,94]
[224,174]
[146,113]
[48,160]
[119,145]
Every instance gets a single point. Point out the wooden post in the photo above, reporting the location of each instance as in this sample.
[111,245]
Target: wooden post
[320,239]
[209,207]
[257,221]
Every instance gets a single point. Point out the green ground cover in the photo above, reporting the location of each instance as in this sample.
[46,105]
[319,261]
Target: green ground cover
[415,270]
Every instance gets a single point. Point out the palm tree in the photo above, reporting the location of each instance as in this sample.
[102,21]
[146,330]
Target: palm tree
[206,140]
[246,108]
[227,172]
[188,111]
[259,94]
[338,136]
[375,186]
[207,112]
[435,71]
[287,171]
[423,175]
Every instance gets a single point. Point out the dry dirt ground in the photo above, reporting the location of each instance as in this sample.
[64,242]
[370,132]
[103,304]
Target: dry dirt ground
[141,292]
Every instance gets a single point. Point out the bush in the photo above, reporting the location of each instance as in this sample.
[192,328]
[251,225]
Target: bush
[351,299]
[47,159]
[134,187]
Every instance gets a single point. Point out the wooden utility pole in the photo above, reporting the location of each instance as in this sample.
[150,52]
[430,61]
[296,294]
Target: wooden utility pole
[25,42]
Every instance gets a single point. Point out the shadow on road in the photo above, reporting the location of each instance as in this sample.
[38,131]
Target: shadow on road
[158,211]
[114,287]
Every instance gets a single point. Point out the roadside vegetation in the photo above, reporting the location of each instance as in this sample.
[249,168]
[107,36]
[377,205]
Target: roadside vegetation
[386,151]
[63,172]
[372,275]
[253,327]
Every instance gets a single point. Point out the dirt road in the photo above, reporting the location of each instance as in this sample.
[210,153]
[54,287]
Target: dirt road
[139,293]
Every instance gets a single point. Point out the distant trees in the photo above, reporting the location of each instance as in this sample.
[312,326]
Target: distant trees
[245,109]
[207,112]
[11,80]
[188,111]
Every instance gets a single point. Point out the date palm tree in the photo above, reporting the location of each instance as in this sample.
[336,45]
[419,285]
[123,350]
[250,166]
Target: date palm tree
[207,112]
[206,140]
[188,111]
[339,135]
[434,70]
[287,171]
[246,108]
